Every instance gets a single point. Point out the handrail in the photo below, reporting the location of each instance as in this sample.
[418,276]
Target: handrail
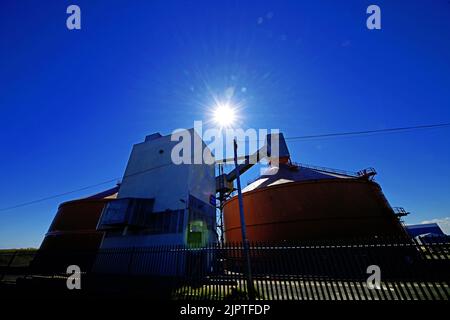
[329,170]
[400,211]
[365,173]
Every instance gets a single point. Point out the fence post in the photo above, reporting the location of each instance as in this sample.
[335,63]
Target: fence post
[130,262]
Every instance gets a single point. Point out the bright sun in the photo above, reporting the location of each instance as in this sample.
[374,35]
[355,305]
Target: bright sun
[224,115]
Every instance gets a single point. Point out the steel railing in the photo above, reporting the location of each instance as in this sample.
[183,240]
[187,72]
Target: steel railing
[411,269]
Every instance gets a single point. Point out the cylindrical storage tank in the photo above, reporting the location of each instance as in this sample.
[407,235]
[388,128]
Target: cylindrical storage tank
[72,237]
[299,203]
[74,226]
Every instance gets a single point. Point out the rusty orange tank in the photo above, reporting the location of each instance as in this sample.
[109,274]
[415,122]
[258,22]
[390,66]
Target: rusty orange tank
[72,237]
[74,226]
[297,202]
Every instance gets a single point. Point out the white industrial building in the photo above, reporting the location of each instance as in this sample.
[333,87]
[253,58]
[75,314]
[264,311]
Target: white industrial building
[159,202]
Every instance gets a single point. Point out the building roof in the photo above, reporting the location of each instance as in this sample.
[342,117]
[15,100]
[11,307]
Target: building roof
[107,194]
[424,229]
[288,173]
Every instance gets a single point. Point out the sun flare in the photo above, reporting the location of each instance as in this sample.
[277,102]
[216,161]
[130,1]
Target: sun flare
[224,115]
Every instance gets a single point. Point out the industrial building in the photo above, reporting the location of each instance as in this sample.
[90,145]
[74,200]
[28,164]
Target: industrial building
[162,203]
[427,233]
[425,229]
[159,202]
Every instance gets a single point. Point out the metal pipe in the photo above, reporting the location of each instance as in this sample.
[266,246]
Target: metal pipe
[250,287]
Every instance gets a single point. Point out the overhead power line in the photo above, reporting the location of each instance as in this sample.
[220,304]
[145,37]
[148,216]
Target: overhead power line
[306,137]
[56,195]
[23,204]
[354,133]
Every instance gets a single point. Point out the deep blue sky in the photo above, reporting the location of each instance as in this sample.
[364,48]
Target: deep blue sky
[73,102]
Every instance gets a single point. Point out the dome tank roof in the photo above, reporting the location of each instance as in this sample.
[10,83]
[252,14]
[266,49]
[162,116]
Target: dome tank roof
[289,172]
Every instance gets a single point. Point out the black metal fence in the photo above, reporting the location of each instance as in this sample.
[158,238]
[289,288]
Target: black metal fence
[338,270]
